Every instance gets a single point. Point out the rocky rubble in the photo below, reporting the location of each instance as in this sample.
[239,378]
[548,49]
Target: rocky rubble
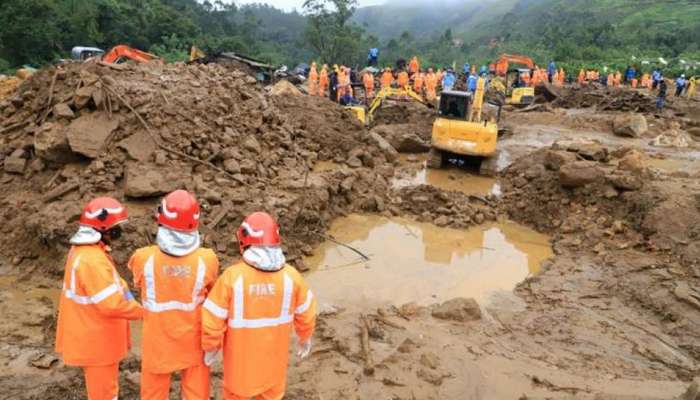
[137,132]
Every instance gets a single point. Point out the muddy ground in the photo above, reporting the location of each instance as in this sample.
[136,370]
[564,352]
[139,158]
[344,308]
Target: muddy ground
[613,311]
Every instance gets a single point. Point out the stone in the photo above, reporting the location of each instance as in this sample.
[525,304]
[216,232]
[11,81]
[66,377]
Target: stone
[82,96]
[592,151]
[252,144]
[554,159]
[62,110]
[634,161]
[232,166]
[51,144]
[442,221]
[354,162]
[579,173]
[630,125]
[88,134]
[410,143]
[387,149]
[16,162]
[139,146]
[625,182]
[458,309]
[146,181]
[284,88]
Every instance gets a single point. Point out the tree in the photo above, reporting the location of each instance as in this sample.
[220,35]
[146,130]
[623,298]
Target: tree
[329,32]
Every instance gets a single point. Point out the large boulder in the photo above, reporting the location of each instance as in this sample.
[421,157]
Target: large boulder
[459,309]
[389,151]
[403,138]
[579,173]
[554,159]
[88,134]
[630,125]
[51,144]
[16,162]
[148,181]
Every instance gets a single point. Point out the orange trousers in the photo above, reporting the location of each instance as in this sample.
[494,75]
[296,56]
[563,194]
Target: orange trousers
[194,384]
[273,393]
[102,382]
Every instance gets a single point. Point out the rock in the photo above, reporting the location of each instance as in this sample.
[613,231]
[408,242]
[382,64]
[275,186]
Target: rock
[252,144]
[88,134]
[579,173]
[554,159]
[354,162]
[232,166]
[402,138]
[387,149]
[693,391]
[82,96]
[161,158]
[146,181]
[634,161]
[284,87]
[430,360]
[139,146]
[671,138]
[459,309]
[442,221]
[62,110]
[694,132]
[16,162]
[630,125]
[51,144]
[625,182]
[687,294]
[592,151]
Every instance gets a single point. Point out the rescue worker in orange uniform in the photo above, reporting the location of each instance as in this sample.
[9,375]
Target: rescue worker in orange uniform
[617,79]
[418,81]
[250,312]
[402,79]
[430,85]
[387,78]
[96,305]
[368,82]
[323,81]
[611,79]
[581,77]
[413,65]
[341,83]
[313,79]
[174,277]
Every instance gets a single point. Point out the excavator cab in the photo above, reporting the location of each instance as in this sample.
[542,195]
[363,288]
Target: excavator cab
[517,92]
[460,129]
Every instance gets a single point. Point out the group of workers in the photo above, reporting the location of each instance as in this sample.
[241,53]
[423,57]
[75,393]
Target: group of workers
[190,313]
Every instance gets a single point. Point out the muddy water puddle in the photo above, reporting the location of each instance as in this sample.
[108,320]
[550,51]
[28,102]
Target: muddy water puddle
[419,262]
[453,177]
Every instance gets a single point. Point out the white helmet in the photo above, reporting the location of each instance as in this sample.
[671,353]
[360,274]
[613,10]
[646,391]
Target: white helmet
[683,76]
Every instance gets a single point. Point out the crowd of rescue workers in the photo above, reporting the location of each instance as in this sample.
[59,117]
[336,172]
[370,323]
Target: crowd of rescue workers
[340,83]
[190,314]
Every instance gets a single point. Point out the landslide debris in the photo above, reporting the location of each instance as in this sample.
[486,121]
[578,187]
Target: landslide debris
[137,132]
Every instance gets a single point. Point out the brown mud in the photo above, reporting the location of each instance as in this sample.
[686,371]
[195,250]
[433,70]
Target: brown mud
[573,274]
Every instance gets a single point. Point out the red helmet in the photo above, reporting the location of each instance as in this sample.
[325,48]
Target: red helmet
[179,211]
[103,213]
[258,229]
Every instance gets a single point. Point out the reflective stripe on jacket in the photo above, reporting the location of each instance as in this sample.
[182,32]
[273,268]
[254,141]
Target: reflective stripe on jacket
[250,313]
[172,291]
[92,327]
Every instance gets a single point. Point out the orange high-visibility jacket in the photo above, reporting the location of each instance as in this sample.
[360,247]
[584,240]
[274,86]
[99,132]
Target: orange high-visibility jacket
[402,79]
[581,76]
[323,78]
[387,79]
[313,75]
[93,311]
[172,292]
[413,65]
[368,81]
[250,314]
[418,82]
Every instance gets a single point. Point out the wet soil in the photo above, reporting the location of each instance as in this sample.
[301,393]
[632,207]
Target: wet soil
[581,256]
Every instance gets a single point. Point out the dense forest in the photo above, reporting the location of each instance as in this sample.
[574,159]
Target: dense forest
[578,32]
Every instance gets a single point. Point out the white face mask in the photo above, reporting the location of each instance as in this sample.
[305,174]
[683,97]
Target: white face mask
[265,258]
[86,235]
[177,243]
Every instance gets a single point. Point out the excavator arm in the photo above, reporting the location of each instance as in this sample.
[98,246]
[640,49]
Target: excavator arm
[388,92]
[506,59]
[123,51]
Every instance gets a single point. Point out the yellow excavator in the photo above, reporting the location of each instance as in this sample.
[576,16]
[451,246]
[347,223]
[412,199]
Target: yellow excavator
[366,113]
[461,128]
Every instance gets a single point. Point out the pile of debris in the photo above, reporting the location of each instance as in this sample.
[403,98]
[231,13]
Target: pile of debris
[137,132]
[602,98]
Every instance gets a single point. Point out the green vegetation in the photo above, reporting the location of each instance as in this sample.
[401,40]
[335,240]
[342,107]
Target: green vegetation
[611,33]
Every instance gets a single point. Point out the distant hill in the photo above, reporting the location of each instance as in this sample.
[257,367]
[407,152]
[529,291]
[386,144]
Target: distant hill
[586,30]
